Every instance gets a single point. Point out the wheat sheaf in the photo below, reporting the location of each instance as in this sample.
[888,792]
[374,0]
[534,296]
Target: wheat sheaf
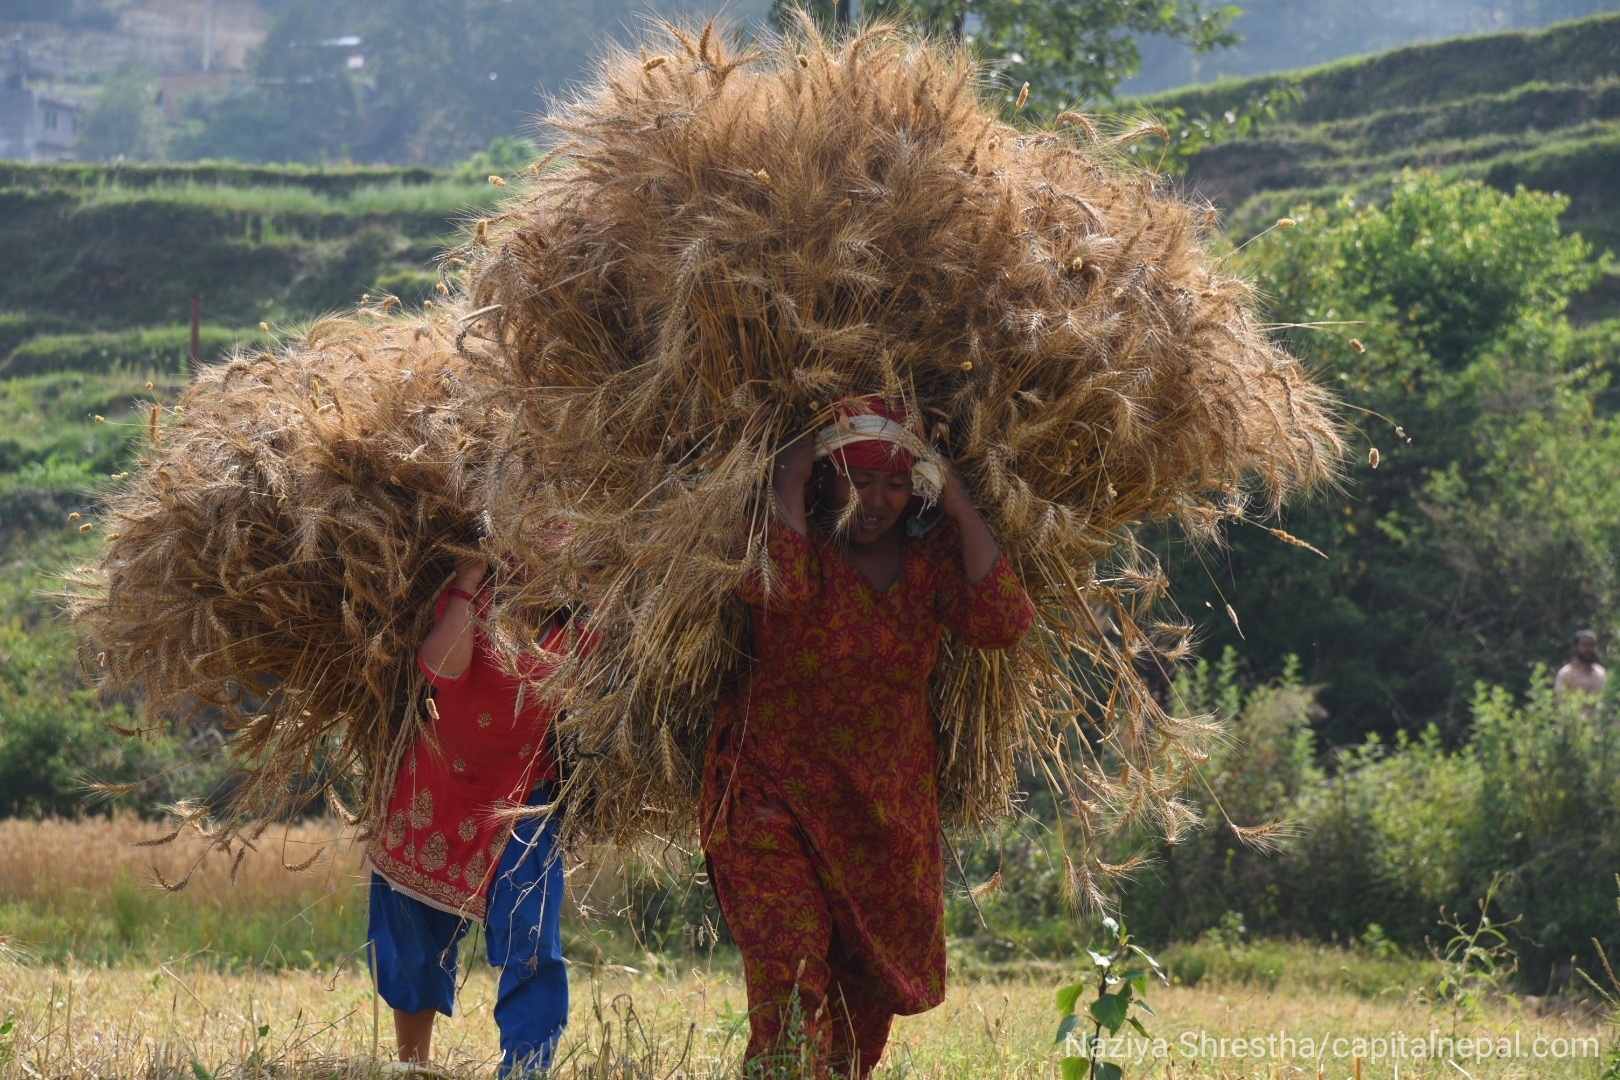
[720,246]
[724,243]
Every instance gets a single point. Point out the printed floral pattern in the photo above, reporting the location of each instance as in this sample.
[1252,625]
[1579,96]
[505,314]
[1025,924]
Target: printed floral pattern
[820,808]
[485,753]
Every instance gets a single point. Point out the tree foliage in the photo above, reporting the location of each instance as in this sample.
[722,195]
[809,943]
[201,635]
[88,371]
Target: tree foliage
[436,82]
[1068,51]
[124,122]
[1484,536]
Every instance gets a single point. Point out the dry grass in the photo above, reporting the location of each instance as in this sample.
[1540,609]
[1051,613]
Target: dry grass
[43,861]
[153,1015]
[94,890]
[84,890]
[155,1021]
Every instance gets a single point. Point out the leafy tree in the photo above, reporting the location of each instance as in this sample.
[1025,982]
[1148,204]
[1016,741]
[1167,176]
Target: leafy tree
[438,83]
[1483,536]
[307,104]
[1068,51]
[125,122]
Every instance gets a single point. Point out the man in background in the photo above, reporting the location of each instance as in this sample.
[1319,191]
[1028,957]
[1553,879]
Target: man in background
[1583,674]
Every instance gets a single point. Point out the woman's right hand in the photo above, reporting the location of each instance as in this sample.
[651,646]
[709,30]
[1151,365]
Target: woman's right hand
[795,460]
[470,575]
[789,475]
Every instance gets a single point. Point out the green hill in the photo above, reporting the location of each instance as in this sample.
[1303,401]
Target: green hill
[115,249]
[95,297]
[1539,109]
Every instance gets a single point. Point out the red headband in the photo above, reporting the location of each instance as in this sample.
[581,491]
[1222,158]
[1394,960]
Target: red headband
[886,424]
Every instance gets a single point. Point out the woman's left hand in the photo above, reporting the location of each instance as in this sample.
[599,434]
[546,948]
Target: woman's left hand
[955,499]
[979,550]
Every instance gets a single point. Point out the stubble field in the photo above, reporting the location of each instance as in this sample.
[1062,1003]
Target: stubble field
[106,974]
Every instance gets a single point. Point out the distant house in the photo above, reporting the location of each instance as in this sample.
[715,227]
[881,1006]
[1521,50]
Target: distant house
[34,125]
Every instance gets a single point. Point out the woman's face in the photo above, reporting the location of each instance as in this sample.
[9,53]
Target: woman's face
[883,496]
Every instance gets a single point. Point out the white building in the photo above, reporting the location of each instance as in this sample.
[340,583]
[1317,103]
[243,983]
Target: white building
[35,125]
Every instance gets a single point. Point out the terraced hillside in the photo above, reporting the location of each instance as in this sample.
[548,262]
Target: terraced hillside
[1538,109]
[102,262]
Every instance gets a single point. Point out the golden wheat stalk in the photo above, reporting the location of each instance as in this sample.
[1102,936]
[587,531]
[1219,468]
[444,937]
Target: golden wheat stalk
[720,246]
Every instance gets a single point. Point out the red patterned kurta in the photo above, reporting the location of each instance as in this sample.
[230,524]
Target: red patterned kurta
[820,810]
[440,841]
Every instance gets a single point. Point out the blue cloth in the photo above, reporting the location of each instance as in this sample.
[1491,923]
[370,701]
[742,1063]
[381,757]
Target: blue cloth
[416,945]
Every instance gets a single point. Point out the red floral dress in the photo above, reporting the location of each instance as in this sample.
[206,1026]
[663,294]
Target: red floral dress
[820,809]
[442,837]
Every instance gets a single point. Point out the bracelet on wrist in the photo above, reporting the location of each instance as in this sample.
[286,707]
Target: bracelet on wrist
[463,593]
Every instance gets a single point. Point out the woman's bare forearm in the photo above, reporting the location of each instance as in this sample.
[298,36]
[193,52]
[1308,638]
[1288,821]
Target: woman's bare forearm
[979,549]
[448,650]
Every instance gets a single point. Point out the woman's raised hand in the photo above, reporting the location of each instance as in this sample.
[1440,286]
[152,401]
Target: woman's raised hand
[470,575]
[795,460]
[979,550]
[955,499]
[789,475]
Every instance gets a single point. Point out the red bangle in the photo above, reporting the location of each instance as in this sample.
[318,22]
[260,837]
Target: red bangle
[463,593]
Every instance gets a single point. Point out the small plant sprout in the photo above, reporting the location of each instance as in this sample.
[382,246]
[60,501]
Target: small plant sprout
[1121,972]
[1477,963]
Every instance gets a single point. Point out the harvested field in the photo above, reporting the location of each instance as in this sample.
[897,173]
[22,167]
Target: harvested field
[139,1020]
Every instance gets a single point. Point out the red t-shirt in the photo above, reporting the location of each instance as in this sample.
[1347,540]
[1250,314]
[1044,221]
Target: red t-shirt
[441,839]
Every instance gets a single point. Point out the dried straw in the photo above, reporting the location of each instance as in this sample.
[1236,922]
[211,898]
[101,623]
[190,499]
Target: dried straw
[283,538]
[721,245]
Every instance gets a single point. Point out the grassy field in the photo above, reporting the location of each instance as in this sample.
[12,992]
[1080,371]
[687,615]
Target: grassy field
[124,249]
[157,1019]
[103,973]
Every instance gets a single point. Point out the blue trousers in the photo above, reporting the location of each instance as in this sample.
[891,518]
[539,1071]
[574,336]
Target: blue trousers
[416,945]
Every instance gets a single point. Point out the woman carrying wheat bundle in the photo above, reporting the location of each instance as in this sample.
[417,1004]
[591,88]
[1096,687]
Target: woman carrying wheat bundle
[725,251]
[753,303]
[456,847]
[820,812]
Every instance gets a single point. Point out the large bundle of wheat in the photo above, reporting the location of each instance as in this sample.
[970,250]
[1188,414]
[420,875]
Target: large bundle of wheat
[722,247]
[276,553]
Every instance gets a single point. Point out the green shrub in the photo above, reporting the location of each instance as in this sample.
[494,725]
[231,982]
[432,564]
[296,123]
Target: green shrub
[1395,833]
[16,328]
[1484,536]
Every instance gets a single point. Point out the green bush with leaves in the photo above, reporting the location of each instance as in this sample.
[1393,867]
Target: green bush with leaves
[1482,534]
[1120,972]
[1374,851]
